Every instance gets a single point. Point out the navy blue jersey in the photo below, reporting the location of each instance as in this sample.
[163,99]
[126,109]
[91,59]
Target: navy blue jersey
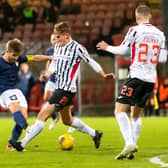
[50,51]
[9,73]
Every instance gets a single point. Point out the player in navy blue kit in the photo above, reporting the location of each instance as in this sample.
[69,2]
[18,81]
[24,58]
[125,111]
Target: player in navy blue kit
[11,97]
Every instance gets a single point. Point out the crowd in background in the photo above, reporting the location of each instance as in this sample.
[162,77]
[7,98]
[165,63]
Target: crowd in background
[15,12]
[27,11]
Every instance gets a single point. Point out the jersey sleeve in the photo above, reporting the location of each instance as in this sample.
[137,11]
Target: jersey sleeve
[86,57]
[163,50]
[23,58]
[130,37]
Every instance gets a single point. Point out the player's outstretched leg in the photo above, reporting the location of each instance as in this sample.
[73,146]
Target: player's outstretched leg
[81,126]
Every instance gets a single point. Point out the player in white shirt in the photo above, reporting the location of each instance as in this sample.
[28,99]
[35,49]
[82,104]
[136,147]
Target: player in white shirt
[67,57]
[146,45]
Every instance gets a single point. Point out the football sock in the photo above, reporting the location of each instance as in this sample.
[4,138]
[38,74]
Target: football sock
[54,116]
[34,131]
[81,126]
[136,128]
[19,119]
[16,132]
[125,127]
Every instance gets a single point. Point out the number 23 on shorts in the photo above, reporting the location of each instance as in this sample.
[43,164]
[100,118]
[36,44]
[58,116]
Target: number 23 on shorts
[127,91]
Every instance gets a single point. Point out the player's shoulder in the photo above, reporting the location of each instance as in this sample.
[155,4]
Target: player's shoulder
[80,47]
[158,30]
[132,30]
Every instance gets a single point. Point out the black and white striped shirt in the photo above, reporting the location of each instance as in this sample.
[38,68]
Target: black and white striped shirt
[66,64]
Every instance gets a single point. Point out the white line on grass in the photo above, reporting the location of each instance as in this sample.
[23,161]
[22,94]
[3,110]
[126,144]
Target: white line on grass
[156,160]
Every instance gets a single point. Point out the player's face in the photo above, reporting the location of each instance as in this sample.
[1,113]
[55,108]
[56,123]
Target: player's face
[12,56]
[62,39]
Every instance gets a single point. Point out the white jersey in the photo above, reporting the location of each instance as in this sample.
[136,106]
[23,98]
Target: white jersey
[66,64]
[145,42]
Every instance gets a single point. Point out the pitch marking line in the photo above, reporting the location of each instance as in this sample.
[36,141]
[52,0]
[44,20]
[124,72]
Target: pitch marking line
[156,160]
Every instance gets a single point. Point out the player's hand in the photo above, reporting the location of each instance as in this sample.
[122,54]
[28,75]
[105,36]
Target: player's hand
[43,77]
[109,76]
[102,45]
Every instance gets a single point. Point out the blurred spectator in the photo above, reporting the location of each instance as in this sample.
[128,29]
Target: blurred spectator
[6,7]
[4,24]
[117,25]
[56,3]
[29,14]
[49,14]
[25,80]
[163,91]
[16,14]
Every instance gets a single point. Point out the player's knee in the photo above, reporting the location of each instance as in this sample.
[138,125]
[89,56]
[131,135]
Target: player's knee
[67,122]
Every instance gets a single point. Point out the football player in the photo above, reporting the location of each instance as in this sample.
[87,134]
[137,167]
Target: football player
[146,43]
[11,97]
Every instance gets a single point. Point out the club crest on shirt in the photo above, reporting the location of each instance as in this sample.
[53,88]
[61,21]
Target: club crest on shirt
[17,63]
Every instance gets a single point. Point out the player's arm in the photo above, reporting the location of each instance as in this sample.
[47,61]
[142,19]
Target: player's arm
[121,50]
[163,51]
[97,68]
[162,55]
[49,72]
[47,64]
[37,58]
[45,76]
[94,65]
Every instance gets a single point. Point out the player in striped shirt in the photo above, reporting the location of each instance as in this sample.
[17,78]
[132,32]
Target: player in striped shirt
[146,45]
[11,97]
[67,57]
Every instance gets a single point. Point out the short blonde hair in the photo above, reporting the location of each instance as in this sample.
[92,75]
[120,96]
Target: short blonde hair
[14,45]
[62,27]
[143,10]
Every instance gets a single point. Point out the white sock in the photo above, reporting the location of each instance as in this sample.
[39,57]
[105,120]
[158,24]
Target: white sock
[81,126]
[34,130]
[136,128]
[125,127]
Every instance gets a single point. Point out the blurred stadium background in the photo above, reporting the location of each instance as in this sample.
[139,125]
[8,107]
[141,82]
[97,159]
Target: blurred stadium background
[32,21]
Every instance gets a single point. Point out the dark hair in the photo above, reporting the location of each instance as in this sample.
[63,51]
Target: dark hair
[62,27]
[14,45]
[143,10]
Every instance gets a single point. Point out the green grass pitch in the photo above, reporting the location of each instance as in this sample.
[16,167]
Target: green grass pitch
[43,151]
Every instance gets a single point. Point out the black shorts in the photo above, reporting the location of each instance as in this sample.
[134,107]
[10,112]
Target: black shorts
[135,92]
[61,98]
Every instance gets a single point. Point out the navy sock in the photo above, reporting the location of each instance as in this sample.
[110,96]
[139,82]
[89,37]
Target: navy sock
[19,119]
[16,132]
[53,116]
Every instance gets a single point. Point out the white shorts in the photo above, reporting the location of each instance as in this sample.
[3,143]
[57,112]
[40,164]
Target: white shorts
[50,86]
[12,95]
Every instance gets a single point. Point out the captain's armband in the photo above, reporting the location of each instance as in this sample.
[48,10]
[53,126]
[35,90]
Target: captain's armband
[30,58]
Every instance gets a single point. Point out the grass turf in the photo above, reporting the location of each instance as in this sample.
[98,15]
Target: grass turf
[43,151]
